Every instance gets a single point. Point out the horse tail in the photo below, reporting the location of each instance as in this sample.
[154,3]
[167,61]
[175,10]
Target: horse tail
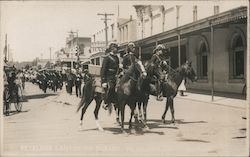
[110,109]
[88,90]
[81,104]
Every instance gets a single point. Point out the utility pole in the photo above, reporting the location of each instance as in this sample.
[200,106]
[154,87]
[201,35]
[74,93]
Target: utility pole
[106,26]
[77,45]
[5,49]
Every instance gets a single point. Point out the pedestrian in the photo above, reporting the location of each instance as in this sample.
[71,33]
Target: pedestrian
[78,83]
[182,87]
[70,81]
[109,70]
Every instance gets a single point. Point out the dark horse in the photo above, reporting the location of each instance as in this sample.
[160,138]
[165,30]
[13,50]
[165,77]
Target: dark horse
[126,92]
[171,84]
[169,87]
[91,94]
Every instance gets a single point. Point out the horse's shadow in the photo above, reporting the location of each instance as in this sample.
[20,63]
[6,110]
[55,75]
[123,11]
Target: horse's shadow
[12,113]
[38,96]
[177,121]
[139,129]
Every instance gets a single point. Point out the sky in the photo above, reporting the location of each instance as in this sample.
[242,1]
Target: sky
[34,26]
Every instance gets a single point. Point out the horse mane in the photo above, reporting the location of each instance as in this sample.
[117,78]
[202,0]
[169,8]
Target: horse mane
[172,75]
[127,75]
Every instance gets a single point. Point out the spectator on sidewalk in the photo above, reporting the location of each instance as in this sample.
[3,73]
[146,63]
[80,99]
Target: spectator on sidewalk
[182,87]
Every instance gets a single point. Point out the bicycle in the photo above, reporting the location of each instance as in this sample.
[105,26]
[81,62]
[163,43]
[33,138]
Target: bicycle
[10,98]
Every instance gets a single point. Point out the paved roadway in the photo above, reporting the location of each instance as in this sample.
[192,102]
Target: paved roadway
[49,124]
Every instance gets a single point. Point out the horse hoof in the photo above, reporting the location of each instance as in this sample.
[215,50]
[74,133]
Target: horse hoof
[163,121]
[80,128]
[101,129]
[146,128]
[117,121]
[124,132]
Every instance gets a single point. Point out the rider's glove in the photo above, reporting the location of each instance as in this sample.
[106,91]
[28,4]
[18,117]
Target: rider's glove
[144,74]
[104,85]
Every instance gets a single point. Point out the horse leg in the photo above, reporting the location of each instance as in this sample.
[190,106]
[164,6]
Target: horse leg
[145,104]
[171,101]
[122,110]
[166,109]
[85,106]
[140,112]
[98,101]
[132,107]
[117,111]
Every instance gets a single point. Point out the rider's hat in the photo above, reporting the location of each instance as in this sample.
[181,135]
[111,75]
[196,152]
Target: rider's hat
[113,45]
[130,46]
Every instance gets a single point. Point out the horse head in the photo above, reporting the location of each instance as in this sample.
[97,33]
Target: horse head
[189,71]
[140,68]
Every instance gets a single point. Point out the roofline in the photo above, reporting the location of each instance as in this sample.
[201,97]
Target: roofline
[239,12]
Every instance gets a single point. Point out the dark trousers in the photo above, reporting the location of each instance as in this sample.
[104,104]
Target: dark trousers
[69,86]
[110,95]
[78,89]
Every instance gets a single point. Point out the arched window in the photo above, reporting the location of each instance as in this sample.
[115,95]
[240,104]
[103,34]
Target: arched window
[204,60]
[237,57]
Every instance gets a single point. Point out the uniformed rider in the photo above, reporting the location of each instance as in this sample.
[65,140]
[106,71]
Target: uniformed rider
[109,70]
[131,57]
[157,60]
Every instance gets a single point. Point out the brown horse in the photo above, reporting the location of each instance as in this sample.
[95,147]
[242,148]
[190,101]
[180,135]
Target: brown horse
[126,85]
[126,92]
[172,82]
[169,87]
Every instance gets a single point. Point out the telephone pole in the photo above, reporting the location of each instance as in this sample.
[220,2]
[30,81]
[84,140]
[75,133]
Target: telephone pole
[106,25]
[5,50]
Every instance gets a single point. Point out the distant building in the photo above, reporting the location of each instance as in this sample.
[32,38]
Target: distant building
[77,50]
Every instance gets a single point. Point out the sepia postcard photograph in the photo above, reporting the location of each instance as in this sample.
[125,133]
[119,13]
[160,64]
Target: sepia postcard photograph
[124,78]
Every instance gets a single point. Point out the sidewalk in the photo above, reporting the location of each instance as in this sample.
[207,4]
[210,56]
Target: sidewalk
[225,99]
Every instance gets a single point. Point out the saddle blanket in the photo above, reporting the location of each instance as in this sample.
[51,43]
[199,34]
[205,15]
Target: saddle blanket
[98,86]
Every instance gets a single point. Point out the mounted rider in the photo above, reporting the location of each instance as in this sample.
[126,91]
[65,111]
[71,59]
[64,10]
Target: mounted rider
[158,61]
[131,57]
[109,70]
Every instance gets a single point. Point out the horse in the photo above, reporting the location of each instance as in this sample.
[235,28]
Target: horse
[172,82]
[169,87]
[90,94]
[126,91]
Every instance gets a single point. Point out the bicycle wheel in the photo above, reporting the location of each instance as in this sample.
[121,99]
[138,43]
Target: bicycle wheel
[6,102]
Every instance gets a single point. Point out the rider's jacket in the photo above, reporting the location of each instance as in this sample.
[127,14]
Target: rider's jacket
[128,59]
[156,60]
[110,67]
